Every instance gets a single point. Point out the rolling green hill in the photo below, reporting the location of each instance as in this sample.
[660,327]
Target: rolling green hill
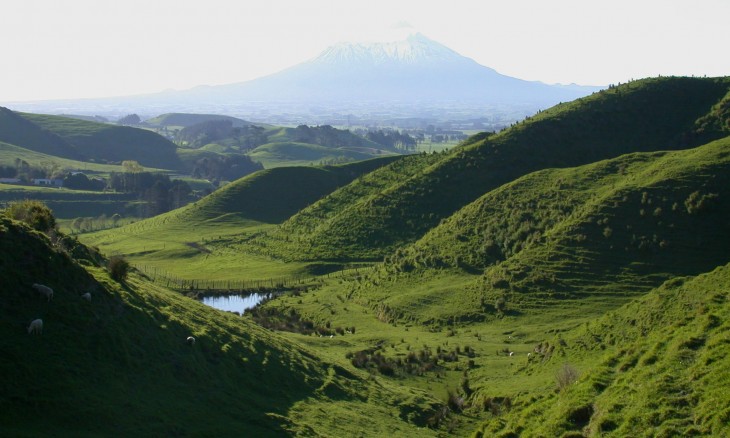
[657,366]
[303,154]
[18,130]
[185,119]
[125,351]
[646,115]
[229,215]
[610,229]
[9,152]
[110,143]
[273,195]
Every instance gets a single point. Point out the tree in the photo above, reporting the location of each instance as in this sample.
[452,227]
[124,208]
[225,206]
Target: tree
[132,166]
[130,119]
[34,213]
[118,268]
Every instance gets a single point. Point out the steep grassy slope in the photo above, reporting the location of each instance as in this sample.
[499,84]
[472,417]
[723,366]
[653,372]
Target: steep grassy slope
[609,229]
[655,367]
[273,195]
[301,237]
[211,227]
[647,115]
[19,131]
[119,364]
[104,142]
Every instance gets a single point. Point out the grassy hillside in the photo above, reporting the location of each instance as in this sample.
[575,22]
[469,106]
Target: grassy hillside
[9,152]
[69,204]
[19,131]
[655,367]
[647,115]
[205,233]
[125,351]
[184,119]
[273,195]
[110,143]
[303,154]
[601,231]
[301,236]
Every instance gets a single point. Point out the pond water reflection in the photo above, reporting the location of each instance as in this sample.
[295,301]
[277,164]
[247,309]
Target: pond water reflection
[235,303]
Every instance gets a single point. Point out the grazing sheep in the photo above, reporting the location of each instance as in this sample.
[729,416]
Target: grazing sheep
[86,296]
[36,326]
[529,355]
[190,340]
[511,353]
[43,290]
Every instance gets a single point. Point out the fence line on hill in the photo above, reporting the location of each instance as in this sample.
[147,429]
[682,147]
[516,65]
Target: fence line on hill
[162,277]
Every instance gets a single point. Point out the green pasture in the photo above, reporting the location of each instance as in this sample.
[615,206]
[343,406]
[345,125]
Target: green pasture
[9,153]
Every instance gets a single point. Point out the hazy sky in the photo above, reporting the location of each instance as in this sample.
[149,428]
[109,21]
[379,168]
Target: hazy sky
[97,48]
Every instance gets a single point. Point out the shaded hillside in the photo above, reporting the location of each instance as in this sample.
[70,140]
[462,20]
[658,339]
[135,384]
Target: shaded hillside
[273,195]
[601,233]
[19,131]
[291,240]
[610,201]
[125,351]
[110,143]
[657,366]
[664,217]
[646,115]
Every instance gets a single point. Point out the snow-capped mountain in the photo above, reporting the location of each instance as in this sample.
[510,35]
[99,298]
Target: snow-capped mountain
[416,69]
[356,78]
[416,49]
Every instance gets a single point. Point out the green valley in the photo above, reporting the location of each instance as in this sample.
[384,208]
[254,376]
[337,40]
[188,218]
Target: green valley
[567,276]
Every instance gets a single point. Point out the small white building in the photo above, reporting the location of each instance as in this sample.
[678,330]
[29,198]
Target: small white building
[48,182]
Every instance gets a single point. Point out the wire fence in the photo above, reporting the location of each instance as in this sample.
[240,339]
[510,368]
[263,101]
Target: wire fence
[171,281]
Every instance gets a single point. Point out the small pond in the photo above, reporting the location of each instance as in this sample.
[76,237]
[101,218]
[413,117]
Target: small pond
[235,303]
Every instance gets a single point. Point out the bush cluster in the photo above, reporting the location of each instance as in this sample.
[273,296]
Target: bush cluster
[118,268]
[274,319]
[415,363]
[34,213]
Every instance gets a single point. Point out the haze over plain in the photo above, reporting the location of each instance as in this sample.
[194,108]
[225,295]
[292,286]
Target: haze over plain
[83,49]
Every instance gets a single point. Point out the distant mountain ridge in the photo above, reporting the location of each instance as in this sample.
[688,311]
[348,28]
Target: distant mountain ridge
[417,69]
[417,76]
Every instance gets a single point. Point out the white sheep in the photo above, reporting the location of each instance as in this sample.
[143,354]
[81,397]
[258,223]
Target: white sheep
[43,290]
[86,296]
[511,353]
[529,355]
[36,326]
[190,340]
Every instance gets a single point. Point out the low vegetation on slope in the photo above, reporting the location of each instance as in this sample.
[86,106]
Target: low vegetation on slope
[655,367]
[647,115]
[613,228]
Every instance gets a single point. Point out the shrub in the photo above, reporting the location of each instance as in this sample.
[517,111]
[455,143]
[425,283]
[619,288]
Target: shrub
[566,375]
[118,268]
[34,213]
